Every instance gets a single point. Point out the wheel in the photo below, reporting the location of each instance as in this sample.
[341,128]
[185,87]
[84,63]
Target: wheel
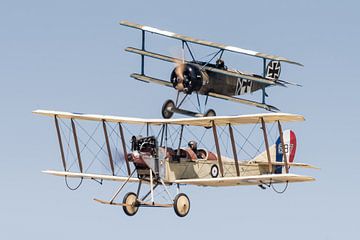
[131,207]
[181,205]
[210,113]
[166,109]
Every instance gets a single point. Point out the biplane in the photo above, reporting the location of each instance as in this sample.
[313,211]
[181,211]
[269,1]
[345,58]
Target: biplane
[165,160]
[210,78]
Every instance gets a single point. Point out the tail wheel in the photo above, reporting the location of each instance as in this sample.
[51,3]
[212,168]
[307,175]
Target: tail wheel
[131,207]
[166,109]
[181,205]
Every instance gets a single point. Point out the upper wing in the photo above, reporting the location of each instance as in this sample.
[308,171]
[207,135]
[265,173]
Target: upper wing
[249,180]
[91,176]
[200,121]
[207,43]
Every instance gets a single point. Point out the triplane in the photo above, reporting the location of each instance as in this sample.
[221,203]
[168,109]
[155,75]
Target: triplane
[156,161]
[210,78]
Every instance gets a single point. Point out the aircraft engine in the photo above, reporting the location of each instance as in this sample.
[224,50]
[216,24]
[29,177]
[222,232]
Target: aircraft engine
[187,78]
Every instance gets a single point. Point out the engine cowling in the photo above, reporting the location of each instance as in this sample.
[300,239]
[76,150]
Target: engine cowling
[187,78]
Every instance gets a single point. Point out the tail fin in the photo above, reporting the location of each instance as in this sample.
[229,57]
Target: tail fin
[276,153]
[290,148]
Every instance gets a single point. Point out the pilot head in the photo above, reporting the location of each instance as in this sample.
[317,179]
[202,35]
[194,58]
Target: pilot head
[192,145]
[220,63]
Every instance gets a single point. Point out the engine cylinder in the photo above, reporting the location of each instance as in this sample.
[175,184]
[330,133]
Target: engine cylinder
[187,78]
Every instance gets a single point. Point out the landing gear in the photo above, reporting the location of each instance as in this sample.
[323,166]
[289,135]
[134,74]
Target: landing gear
[167,108]
[181,205]
[130,206]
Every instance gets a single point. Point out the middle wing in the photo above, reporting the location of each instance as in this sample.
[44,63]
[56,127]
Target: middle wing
[149,79]
[233,73]
[248,180]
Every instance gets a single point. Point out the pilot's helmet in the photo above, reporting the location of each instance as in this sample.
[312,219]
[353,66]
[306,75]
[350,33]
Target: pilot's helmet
[193,145]
[220,63]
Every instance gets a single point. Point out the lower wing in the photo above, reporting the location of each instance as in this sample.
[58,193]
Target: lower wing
[248,180]
[91,176]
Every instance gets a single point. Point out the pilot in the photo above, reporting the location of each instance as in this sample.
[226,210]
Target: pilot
[193,146]
[220,64]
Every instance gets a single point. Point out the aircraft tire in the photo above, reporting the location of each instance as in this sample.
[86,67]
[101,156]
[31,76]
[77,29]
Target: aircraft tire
[181,205]
[131,199]
[166,113]
[210,113]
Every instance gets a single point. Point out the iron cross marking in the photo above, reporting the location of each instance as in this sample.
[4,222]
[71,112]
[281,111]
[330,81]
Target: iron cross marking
[273,70]
[243,86]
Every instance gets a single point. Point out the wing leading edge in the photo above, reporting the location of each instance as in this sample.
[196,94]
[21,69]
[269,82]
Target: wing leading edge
[207,43]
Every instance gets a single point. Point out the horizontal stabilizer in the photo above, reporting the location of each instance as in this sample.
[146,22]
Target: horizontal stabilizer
[288,83]
[301,165]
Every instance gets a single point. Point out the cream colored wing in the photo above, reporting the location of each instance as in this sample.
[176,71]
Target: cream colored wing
[200,121]
[248,180]
[90,176]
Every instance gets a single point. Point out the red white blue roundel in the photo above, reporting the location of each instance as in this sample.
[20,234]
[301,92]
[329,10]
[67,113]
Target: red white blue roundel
[290,148]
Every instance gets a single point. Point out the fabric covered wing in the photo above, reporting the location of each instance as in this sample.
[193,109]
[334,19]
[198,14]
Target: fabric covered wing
[207,43]
[90,176]
[200,121]
[244,101]
[248,180]
[148,79]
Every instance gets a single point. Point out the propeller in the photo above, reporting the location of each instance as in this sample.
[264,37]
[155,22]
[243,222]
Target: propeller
[179,72]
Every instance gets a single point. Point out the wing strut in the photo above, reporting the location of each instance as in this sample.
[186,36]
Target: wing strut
[283,147]
[263,126]
[142,48]
[124,148]
[60,142]
[217,148]
[76,145]
[234,150]
[108,148]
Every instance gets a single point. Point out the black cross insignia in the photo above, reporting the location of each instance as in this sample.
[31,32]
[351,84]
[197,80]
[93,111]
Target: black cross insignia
[273,70]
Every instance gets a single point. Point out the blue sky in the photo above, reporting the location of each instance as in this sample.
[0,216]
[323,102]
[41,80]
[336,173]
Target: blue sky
[67,55]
